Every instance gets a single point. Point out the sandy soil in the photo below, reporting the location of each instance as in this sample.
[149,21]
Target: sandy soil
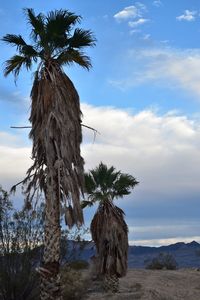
[183,284]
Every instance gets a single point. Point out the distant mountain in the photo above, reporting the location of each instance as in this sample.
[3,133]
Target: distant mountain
[187,255]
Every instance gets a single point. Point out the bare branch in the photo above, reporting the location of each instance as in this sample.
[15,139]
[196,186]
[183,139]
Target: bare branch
[20,127]
[90,128]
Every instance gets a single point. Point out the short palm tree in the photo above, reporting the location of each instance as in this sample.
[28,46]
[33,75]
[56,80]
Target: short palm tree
[56,125]
[108,227]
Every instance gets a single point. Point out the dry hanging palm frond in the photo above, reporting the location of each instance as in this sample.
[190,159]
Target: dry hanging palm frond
[69,218]
[110,234]
[56,135]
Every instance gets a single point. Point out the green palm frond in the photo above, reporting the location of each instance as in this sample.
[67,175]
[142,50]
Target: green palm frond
[60,21]
[108,227]
[71,56]
[82,38]
[103,183]
[37,23]
[23,48]
[15,63]
[14,40]
[53,41]
[123,185]
[90,184]
[58,27]
[29,51]
[100,175]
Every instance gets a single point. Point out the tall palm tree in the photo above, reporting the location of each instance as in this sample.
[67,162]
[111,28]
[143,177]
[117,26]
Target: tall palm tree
[108,227]
[56,125]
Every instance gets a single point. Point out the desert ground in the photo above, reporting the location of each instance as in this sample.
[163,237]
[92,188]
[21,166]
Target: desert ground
[183,284]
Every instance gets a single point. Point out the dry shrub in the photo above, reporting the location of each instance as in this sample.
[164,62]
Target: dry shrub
[162,261]
[79,264]
[75,285]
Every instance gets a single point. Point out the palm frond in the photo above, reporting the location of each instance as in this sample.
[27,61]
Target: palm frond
[105,177]
[71,56]
[110,234]
[29,51]
[14,40]
[37,23]
[15,63]
[82,38]
[124,185]
[56,135]
[90,184]
[24,49]
[86,203]
[58,26]
[107,183]
[60,21]
[100,174]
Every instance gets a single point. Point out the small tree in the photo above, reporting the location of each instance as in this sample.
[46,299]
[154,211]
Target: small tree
[21,236]
[108,227]
[162,261]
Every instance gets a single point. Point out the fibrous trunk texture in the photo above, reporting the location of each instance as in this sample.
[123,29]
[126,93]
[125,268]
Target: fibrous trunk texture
[58,166]
[110,234]
[111,283]
[50,275]
[56,134]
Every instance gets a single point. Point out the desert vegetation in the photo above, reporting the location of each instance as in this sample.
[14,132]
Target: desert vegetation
[21,250]
[55,117]
[108,227]
[162,261]
[40,251]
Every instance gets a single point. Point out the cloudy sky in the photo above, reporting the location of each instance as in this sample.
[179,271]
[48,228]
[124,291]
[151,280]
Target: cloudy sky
[143,97]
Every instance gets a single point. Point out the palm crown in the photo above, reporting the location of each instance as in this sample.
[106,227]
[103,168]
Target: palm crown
[52,39]
[103,183]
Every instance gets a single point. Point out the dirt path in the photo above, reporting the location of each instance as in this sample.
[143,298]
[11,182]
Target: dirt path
[154,285]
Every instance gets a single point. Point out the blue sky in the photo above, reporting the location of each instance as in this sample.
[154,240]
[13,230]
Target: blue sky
[142,95]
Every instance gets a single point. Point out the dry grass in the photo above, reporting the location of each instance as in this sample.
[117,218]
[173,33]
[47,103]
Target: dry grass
[181,284]
[75,284]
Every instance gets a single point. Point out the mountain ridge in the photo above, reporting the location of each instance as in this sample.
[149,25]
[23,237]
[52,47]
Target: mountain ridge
[187,255]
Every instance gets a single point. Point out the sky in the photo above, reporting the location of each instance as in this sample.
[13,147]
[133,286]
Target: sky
[142,96]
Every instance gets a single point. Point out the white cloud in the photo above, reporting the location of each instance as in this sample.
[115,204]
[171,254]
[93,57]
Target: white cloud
[164,242]
[14,162]
[157,3]
[146,36]
[135,31]
[137,23]
[142,142]
[130,12]
[161,151]
[188,15]
[134,15]
[133,142]
[171,233]
[166,66]
[127,13]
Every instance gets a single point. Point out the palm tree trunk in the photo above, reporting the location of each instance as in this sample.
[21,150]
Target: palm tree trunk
[50,271]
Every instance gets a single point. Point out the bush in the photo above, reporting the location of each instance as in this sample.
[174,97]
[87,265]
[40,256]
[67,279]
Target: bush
[79,264]
[74,284]
[162,261]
